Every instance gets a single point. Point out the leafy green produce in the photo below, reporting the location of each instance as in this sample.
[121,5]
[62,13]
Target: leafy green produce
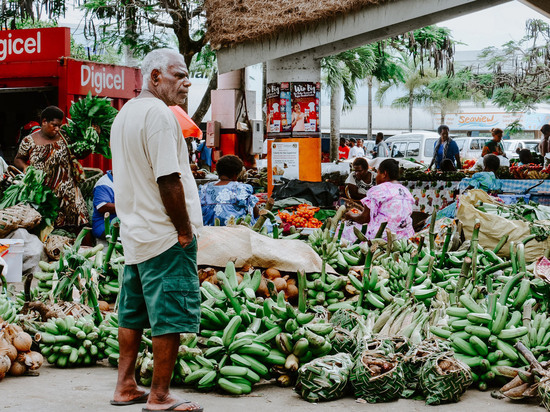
[531,213]
[30,188]
[89,128]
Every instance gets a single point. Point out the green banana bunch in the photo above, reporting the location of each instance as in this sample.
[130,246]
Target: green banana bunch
[8,310]
[69,342]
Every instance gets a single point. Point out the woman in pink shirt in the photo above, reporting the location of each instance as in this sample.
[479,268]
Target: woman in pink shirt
[388,201]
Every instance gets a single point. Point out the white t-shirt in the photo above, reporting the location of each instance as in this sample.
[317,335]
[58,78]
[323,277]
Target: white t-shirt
[362,187]
[147,143]
[356,151]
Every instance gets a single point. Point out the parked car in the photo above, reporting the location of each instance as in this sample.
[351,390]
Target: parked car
[512,147]
[470,147]
[416,145]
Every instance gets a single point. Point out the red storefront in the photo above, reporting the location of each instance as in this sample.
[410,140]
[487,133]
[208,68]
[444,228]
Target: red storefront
[34,73]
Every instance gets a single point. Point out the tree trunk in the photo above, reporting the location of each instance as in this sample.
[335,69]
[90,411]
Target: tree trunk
[442,117]
[204,105]
[335,111]
[369,116]
[410,111]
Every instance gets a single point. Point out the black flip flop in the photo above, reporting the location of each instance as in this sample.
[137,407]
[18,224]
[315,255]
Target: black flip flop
[139,399]
[173,407]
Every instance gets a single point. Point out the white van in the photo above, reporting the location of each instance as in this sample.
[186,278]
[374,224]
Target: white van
[416,145]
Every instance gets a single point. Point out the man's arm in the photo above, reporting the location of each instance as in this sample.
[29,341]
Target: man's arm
[107,208]
[173,199]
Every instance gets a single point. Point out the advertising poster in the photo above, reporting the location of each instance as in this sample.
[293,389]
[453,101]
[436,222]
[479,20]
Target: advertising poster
[304,109]
[285,161]
[273,101]
[286,108]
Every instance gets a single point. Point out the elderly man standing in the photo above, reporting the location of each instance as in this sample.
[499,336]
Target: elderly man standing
[159,209]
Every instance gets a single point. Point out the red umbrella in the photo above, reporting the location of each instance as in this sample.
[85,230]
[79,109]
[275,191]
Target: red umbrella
[188,126]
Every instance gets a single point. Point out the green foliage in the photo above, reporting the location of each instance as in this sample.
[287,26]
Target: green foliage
[19,14]
[89,127]
[30,189]
[519,76]
[346,70]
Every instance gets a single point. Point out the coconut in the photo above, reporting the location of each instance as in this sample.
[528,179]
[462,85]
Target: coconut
[33,360]
[5,365]
[280,284]
[17,369]
[272,273]
[22,342]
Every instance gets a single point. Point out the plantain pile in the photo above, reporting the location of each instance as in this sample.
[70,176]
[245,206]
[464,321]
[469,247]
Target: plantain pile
[69,342]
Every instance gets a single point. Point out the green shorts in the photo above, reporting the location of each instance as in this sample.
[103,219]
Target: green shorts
[162,293]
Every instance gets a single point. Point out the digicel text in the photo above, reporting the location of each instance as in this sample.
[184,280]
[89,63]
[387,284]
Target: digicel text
[101,79]
[17,45]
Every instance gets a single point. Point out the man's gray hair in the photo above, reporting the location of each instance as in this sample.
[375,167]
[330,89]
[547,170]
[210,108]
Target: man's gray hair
[157,59]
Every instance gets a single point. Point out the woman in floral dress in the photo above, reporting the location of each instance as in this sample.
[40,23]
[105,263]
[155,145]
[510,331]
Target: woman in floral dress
[227,198]
[388,201]
[46,150]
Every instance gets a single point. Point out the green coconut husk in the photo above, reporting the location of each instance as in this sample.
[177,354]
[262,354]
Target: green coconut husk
[324,379]
[377,377]
[415,358]
[443,378]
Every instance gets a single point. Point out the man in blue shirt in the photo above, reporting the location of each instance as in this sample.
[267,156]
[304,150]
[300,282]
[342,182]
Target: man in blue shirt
[104,201]
[445,148]
[205,153]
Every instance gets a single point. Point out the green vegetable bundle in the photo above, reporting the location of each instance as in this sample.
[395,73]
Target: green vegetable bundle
[443,379]
[89,128]
[30,188]
[324,379]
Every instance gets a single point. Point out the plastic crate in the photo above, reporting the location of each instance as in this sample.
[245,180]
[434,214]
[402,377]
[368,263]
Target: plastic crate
[511,199]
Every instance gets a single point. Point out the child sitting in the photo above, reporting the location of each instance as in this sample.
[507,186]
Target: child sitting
[487,179]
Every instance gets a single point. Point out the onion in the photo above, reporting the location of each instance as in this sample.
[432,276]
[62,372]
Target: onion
[239,277]
[17,369]
[22,342]
[272,273]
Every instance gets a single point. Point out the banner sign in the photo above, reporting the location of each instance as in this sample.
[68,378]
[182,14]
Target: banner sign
[489,120]
[100,79]
[34,44]
[305,108]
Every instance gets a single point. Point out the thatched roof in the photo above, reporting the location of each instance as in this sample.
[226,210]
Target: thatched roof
[236,21]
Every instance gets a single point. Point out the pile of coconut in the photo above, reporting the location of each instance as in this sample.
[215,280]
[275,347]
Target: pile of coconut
[16,357]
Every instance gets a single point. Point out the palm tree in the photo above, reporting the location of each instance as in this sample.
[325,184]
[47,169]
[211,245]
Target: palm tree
[387,69]
[444,93]
[342,75]
[414,80]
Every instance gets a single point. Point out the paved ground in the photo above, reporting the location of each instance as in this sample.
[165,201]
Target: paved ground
[89,389]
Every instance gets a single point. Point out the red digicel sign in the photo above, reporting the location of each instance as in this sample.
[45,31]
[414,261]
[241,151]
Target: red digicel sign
[34,44]
[100,79]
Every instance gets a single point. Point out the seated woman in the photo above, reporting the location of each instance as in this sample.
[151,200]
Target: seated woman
[388,201]
[487,179]
[360,180]
[227,197]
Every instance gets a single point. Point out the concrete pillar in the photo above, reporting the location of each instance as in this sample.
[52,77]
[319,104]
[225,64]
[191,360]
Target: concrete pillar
[296,68]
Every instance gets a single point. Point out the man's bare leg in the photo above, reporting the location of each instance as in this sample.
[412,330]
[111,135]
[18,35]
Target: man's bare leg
[126,387]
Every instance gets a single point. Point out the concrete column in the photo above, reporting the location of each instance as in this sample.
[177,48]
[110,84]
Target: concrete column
[300,67]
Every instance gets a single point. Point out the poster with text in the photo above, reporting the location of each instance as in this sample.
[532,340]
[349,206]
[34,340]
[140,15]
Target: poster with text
[286,108]
[285,161]
[273,101]
[305,106]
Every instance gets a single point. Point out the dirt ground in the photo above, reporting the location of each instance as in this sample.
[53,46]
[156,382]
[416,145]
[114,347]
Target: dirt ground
[89,389]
